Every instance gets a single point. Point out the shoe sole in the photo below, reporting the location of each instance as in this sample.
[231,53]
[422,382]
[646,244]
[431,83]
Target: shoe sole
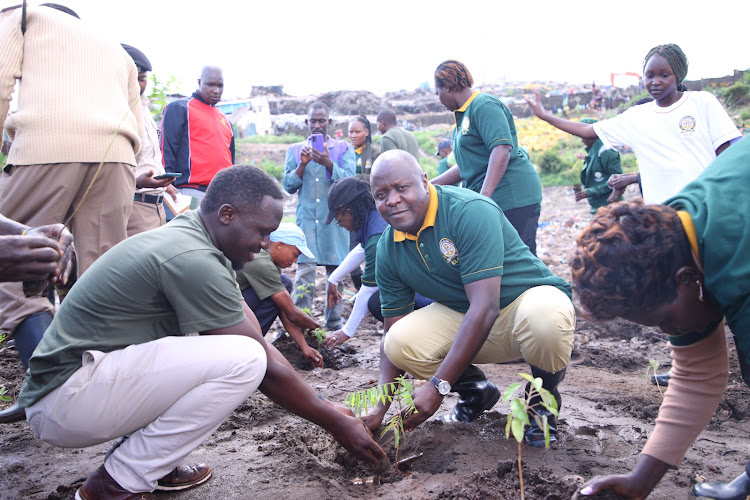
[185,486]
[450,418]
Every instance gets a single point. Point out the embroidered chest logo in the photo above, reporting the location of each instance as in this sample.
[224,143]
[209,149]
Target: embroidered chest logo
[687,126]
[598,177]
[465,124]
[449,251]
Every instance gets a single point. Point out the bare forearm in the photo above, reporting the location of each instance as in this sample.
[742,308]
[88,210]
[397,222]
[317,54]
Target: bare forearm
[449,177]
[10,227]
[579,129]
[498,164]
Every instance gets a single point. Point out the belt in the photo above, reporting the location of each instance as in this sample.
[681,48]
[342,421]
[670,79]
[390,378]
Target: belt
[148,198]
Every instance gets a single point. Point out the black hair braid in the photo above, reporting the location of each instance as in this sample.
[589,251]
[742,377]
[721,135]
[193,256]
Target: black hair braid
[675,57]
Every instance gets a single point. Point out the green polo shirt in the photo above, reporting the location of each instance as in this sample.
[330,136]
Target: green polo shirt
[714,210]
[262,275]
[371,252]
[483,123]
[465,238]
[170,281]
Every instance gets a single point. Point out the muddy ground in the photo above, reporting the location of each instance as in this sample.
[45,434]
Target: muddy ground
[263,452]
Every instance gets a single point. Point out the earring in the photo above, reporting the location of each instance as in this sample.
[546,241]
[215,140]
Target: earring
[700,290]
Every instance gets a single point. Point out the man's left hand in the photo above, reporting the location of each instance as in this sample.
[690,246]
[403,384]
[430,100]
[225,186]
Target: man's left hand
[313,357]
[322,158]
[427,400]
[146,180]
[580,195]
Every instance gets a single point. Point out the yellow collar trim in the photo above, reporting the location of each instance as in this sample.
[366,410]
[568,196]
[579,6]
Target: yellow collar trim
[429,219]
[468,101]
[687,225]
[359,150]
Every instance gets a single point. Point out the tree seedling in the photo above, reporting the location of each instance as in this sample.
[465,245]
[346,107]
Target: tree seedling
[320,335]
[522,410]
[653,366]
[399,392]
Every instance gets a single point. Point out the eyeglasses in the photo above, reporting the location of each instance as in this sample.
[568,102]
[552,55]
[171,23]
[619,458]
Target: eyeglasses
[337,220]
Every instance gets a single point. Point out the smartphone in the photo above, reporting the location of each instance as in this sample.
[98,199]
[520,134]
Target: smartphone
[318,142]
[168,175]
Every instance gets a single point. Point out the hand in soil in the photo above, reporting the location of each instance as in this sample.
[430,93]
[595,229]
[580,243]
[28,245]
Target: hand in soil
[427,401]
[373,420]
[313,357]
[335,339]
[356,438]
[615,486]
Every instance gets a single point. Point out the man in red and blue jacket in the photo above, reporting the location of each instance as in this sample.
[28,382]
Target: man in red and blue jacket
[196,138]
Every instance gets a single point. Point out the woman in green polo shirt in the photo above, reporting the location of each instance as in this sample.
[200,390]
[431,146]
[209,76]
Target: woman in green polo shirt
[683,267]
[485,145]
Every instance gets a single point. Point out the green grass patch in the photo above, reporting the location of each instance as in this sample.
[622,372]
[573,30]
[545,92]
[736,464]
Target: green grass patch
[429,166]
[271,139]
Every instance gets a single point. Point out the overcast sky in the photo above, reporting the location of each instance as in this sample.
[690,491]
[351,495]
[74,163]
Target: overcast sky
[313,47]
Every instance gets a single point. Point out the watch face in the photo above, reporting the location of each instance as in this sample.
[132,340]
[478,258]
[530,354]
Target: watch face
[444,387]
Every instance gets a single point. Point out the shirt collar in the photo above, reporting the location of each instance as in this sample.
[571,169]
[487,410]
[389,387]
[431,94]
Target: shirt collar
[689,227]
[359,150]
[468,101]
[429,218]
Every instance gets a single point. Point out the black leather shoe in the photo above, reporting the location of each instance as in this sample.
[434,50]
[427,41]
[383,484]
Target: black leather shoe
[476,395]
[534,434]
[661,379]
[12,414]
[29,333]
[737,489]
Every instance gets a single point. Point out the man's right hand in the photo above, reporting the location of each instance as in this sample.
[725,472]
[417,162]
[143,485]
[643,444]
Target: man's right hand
[373,419]
[335,339]
[27,258]
[356,438]
[63,243]
[305,155]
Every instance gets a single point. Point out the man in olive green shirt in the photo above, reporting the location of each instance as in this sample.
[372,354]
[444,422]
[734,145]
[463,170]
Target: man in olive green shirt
[118,359]
[456,247]
[394,137]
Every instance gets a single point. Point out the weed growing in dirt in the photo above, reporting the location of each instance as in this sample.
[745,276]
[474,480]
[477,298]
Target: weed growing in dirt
[521,409]
[653,366]
[399,392]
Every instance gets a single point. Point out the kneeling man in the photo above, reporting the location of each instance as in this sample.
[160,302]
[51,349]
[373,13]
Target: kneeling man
[494,300]
[117,359]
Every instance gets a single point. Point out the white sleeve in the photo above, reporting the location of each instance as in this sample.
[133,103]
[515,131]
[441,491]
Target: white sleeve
[353,260]
[360,309]
[721,128]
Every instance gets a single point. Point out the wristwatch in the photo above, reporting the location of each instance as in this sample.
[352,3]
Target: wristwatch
[443,387]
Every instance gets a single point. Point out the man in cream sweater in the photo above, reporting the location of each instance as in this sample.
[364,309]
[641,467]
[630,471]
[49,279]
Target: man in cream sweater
[75,136]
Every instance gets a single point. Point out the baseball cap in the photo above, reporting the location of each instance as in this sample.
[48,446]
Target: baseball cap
[445,143]
[342,192]
[291,234]
[139,58]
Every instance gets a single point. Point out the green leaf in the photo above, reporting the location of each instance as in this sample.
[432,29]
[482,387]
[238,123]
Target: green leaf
[507,425]
[538,383]
[551,409]
[517,427]
[519,412]
[527,377]
[511,390]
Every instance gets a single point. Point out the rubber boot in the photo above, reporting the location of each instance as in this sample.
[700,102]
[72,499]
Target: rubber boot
[476,395]
[534,434]
[29,333]
[737,489]
[661,379]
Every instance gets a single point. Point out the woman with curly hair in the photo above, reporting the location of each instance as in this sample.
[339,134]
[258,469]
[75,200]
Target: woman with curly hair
[488,157]
[682,266]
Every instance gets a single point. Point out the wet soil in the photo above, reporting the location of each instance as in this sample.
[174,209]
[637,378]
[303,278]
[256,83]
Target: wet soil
[263,452]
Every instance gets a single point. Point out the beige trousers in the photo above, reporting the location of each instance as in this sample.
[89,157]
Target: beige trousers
[538,327]
[38,195]
[145,216]
[168,395]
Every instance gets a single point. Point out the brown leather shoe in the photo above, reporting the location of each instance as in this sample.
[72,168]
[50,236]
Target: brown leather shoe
[100,486]
[184,477]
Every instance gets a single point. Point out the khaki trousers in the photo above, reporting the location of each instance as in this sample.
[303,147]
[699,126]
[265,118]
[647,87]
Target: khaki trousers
[538,327]
[38,195]
[145,216]
[168,395]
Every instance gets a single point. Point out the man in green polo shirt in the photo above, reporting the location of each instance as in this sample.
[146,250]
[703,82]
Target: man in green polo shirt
[119,360]
[457,248]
